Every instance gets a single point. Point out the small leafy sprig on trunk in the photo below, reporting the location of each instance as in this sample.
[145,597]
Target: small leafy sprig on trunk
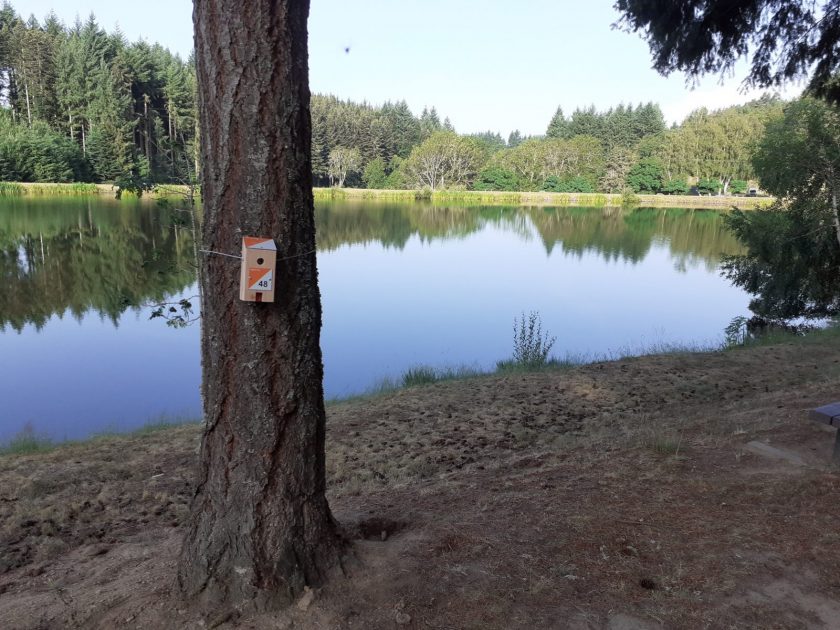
[176,314]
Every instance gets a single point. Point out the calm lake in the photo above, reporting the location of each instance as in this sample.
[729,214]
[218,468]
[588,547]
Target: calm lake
[402,285]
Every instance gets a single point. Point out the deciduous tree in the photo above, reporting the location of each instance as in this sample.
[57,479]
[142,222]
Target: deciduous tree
[445,160]
[343,162]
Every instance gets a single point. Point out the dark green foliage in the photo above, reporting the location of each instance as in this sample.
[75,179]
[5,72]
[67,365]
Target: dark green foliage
[787,38]
[491,141]
[558,126]
[514,139]
[619,161]
[38,154]
[792,264]
[623,126]
[794,248]
[375,175]
[496,178]
[708,186]
[386,132]
[646,176]
[675,187]
[129,109]
[738,186]
[576,184]
[429,123]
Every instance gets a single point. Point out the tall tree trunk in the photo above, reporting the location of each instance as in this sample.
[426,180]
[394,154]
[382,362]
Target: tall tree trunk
[28,109]
[171,139]
[196,147]
[260,527]
[146,131]
[836,211]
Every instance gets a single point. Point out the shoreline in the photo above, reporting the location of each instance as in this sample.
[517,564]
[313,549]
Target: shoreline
[458,197]
[29,442]
[673,486]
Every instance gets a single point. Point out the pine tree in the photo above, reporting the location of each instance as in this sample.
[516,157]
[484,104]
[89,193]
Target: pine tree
[558,127]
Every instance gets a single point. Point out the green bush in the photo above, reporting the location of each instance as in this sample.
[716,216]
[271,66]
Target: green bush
[708,186]
[38,154]
[496,178]
[675,187]
[375,175]
[738,186]
[575,184]
[646,176]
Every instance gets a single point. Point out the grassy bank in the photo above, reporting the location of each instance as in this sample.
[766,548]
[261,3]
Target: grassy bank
[25,189]
[28,441]
[460,197]
[17,189]
[420,375]
[588,200]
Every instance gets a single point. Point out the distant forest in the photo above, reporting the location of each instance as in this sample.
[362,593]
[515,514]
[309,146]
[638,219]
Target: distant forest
[80,104]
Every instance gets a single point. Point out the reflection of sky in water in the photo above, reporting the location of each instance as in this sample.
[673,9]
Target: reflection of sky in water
[436,302]
[453,303]
[75,378]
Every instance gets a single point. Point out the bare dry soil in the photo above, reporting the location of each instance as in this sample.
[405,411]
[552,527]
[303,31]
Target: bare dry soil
[627,495]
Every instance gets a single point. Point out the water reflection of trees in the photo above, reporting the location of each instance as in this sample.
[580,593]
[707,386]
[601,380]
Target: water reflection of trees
[692,236]
[79,256]
[392,225]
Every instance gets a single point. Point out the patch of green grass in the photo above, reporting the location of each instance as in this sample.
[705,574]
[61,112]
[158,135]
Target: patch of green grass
[823,333]
[660,347]
[510,366]
[420,375]
[163,423]
[11,189]
[414,376]
[663,439]
[328,194]
[425,375]
[666,445]
[75,188]
[27,442]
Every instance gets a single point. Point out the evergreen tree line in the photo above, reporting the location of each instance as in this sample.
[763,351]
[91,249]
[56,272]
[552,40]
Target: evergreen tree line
[80,104]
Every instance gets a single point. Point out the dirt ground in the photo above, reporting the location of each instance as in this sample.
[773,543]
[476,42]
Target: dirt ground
[630,495]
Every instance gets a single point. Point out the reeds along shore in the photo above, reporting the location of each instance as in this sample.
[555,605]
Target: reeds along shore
[586,200]
[461,197]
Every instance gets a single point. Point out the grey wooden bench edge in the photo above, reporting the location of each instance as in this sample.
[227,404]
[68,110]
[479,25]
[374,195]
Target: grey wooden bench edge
[830,415]
[827,414]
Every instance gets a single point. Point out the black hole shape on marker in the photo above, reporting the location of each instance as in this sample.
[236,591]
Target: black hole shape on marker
[260,261]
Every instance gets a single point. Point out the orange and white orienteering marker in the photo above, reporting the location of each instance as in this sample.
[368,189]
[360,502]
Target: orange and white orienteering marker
[259,260]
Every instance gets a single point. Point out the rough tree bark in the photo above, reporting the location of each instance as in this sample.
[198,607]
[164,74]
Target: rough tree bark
[260,527]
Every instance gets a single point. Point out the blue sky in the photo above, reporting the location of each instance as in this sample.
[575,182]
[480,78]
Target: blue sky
[496,65]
